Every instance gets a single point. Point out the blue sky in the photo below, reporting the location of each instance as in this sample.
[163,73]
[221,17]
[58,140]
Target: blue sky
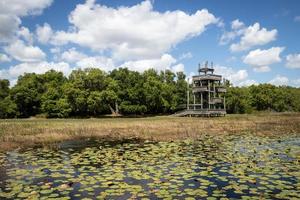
[249,42]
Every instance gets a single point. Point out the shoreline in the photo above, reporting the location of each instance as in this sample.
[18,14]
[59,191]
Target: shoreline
[24,133]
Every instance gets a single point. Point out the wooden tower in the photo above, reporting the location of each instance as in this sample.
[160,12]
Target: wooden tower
[208,94]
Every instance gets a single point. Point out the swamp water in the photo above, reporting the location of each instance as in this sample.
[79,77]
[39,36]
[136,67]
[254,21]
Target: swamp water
[228,167]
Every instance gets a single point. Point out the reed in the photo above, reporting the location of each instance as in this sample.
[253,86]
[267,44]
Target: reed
[21,133]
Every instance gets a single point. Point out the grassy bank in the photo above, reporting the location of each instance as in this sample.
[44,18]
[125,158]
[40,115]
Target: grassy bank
[20,133]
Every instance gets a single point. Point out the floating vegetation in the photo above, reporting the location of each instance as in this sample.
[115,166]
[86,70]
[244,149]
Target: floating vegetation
[212,167]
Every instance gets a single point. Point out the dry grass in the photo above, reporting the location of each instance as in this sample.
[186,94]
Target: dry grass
[19,133]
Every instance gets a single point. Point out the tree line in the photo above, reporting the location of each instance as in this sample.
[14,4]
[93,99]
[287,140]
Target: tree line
[93,92]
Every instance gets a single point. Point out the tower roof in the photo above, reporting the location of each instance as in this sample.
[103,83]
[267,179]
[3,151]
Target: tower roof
[206,68]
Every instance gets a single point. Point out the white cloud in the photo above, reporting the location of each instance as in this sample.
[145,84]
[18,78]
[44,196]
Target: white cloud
[293,61]
[227,37]
[279,80]
[262,68]
[12,10]
[254,36]
[130,33]
[100,62]
[261,59]
[237,78]
[297,19]
[166,61]
[8,26]
[24,7]
[72,55]
[186,55]
[38,67]
[237,24]
[178,68]
[247,82]
[55,50]
[4,58]
[24,33]
[19,51]
[250,36]
[44,33]
[107,64]
[238,28]
[296,82]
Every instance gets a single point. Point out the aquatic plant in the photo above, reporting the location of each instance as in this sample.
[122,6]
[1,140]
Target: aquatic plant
[211,167]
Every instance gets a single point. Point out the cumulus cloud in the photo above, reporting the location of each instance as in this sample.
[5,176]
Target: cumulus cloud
[13,72]
[261,59]
[136,32]
[254,36]
[249,36]
[72,55]
[39,68]
[178,68]
[4,58]
[8,26]
[24,33]
[166,61]
[279,80]
[21,52]
[101,62]
[237,29]
[24,7]
[293,61]
[237,24]
[44,33]
[296,82]
[55,50]
[11,12]
[247,82]
[236,77]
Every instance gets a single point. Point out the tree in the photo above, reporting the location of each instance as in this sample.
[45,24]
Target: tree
[238,100]
[92,92]
[95,103]
[181,90]
[54,104]
[130,91]
[4,88]
[8,109]
[27,94]
[152,91]
[109,96]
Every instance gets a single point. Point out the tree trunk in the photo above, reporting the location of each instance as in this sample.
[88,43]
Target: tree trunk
[117,108]
[112,110]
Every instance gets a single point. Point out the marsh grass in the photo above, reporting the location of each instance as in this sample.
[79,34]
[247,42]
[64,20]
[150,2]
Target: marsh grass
[21,133]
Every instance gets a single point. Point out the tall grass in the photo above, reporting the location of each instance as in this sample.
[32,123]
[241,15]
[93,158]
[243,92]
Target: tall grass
[20,133]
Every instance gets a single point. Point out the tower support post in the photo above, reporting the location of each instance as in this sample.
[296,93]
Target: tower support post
[208,95]
[194,102]
[188,95]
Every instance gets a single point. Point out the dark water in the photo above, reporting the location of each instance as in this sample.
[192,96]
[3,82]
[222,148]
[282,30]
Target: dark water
[228,167]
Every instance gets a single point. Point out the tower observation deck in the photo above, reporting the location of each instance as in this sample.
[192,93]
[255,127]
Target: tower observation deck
[206,97]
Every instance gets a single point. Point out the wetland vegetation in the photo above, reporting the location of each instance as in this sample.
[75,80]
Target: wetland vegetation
[235,157]
[239,166]
[20,133]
